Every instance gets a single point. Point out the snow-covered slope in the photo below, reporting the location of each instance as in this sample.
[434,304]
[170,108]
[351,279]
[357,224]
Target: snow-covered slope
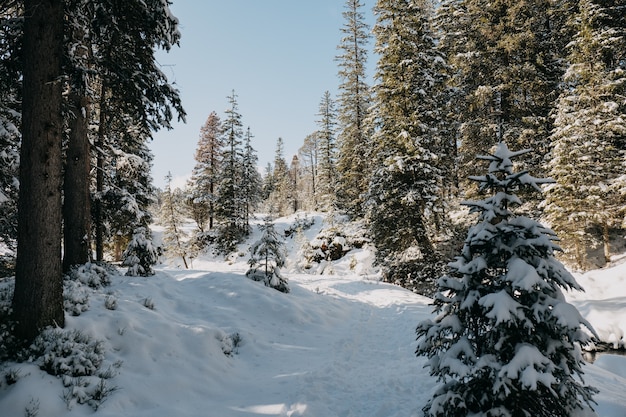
[337,345]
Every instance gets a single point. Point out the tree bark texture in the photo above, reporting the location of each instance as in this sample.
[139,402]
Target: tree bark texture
[38,298]
[77,201]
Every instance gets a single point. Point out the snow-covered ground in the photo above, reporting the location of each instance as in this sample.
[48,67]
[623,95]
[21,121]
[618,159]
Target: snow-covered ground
[337,345]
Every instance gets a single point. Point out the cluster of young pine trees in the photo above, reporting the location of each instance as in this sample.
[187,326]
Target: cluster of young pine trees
[223,192]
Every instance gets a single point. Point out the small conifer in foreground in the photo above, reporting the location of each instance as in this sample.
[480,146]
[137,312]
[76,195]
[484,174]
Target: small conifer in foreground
[267,257]
[505,342]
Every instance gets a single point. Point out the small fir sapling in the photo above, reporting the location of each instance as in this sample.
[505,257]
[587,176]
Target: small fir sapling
[267,257]
[140,254]
[505,341]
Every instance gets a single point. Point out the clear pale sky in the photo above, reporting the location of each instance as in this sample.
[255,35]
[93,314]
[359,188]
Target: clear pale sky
[278,56]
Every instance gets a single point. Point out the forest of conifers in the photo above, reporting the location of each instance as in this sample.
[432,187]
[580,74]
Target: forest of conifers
[81,95]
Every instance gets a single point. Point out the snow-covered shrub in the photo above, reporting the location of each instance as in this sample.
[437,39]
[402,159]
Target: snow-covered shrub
[267,256]
[8,343]
[140,254]
[299,225]
[505,341]
[90,391]
[75,297]
[93,275]
[80,282]
[230,343]
[68,352]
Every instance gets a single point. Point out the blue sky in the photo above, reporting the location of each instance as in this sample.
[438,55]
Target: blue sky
[278,56]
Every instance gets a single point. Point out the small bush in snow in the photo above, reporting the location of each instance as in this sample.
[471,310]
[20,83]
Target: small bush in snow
[93,275]
[68,352]
[86,391]
[32,409]
[505,341]
[231,343]
[9,346]
[140,254]
[110,302]
[75,297]
[148,303]
[11,376]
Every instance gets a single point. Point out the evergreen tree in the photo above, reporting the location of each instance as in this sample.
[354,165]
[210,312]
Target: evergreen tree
[587,159]
[172,220]
[405,201]
[327,168]
[267,257]
[282,196]
[507,64]
[353,103]
[132,89]
[309,156]
[229,206]
[10,118]
[128,191]
[78,67]
[505,342]
[205,173]
[140,254]
[251,179]
[38,296]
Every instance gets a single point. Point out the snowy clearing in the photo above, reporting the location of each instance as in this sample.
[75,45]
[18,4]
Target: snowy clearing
[337,345]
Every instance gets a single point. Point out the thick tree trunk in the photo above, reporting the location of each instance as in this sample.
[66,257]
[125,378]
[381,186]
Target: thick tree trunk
[38,298]
[77,202]
[99,212]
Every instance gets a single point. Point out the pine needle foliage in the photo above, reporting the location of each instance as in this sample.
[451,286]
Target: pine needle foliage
[505,342]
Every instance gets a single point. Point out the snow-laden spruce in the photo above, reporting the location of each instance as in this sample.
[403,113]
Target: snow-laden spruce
[505,342]
[267,257]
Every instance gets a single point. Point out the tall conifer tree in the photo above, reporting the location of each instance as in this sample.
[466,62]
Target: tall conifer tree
[38,297]
[507,65]
[229,206]
[327,162]
[205,173]
[589,138]
[352,110]
[405,200]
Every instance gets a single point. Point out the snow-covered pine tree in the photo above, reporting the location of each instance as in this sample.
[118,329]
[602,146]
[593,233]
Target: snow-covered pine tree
[140,254]
[128,191]
[505,341]
[251,186]
[10,108]
[352,110]
[405,199]
[327,160]
[308,186]
[204,177]
[229,206]
[281,198]
[507,65]
[589,138]
[267,257]
[133,90]
[171,217]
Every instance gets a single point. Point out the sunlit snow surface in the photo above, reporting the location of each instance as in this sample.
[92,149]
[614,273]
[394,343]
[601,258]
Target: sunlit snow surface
[337,345]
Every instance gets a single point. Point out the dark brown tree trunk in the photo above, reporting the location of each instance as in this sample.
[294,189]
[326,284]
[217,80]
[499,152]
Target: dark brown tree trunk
[38,298]
[77,202]
[99,212]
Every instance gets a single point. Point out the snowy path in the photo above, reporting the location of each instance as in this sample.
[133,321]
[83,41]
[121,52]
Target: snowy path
[336,346]
[356,360]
